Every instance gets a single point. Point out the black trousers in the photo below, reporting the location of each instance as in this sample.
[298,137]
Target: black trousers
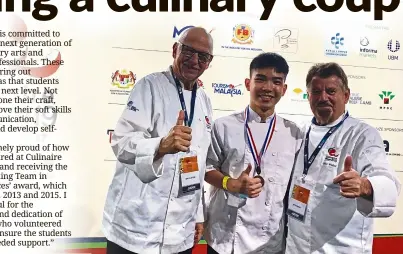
[113,248]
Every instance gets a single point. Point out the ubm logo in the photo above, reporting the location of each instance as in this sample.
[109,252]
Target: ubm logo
[393,48]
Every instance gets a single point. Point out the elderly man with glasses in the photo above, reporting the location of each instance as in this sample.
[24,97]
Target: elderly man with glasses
[155,201]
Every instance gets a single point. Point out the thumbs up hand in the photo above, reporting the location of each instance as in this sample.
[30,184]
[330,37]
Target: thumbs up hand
[348,164]
[178,138]
[181,118]
[250,186]
[351,183]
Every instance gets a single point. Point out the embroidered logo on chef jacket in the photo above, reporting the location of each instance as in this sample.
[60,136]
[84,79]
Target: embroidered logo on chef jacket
[331,158]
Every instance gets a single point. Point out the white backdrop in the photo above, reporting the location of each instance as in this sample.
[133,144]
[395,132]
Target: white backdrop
[369,74]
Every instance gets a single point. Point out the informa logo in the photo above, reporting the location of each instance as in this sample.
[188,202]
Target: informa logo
[122,82]
[178,31]
[393,47]
[366,50]
[243,37]
[285,40]
[386,97]
[299,95]
[227,89]
[337,47]
[355,98]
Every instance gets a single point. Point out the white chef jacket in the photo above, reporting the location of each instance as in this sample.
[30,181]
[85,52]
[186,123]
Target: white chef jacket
[143,212]
[257,226]
[335,224]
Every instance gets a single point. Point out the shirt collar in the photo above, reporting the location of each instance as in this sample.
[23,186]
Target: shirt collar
[254,117]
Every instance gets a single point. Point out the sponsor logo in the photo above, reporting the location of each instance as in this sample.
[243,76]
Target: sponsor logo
[386,97]
[243,35]
[337,46]
[177,31]
[393,47]
[299,95]
[366,50]
[355,98]
[285,40]
[228,89]
[122,82]
[388,150]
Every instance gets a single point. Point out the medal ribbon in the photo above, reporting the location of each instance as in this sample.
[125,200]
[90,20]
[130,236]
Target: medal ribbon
[257,157]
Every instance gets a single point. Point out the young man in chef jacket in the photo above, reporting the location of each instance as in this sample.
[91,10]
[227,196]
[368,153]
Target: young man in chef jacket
[249,165]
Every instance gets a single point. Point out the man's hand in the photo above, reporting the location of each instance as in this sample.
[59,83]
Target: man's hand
[198,232]
[351,184]
[251,186]
[178,138]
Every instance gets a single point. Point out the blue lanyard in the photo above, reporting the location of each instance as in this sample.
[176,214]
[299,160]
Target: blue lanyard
[188,120]
[308,162]
[258,157]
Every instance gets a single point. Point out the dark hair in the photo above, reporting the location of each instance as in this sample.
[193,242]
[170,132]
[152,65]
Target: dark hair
[325,70]
[269,60]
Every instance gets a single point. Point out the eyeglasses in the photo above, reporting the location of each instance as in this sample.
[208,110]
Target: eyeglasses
[188,52]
